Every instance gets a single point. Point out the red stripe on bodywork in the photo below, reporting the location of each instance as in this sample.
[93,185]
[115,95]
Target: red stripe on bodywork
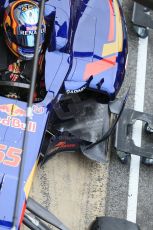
[95,68]
[112,22]
[22,214]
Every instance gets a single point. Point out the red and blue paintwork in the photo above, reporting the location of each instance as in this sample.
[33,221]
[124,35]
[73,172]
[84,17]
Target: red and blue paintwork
[88,50]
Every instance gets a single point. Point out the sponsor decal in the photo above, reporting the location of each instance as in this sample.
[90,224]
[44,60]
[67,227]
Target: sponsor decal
[31,28]
[63,144]
[27,7]
[18,124]
[76,90]
[14,67]
[14,110]
[10,156]
[31,32]
[14,70]
[38,109]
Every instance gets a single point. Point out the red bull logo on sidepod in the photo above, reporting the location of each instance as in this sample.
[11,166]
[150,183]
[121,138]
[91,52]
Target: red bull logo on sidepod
[14,110]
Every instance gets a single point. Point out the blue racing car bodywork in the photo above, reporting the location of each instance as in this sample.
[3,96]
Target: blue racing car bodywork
[86,55]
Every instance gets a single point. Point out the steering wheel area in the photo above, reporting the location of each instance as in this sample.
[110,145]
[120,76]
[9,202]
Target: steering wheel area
[15,84]
[16,90]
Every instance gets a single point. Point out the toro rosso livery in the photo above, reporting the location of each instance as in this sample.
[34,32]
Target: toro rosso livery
[83,67]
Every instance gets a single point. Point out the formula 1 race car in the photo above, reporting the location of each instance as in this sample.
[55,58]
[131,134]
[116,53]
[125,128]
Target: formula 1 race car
[84,69]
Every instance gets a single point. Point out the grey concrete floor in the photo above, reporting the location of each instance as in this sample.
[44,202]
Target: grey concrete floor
[73,188]
[117,190]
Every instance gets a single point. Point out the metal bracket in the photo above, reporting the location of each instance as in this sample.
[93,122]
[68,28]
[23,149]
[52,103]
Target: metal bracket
[141,17]
[123,139]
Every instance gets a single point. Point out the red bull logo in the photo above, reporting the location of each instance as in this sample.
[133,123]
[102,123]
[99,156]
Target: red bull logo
[12,110]
[18,124]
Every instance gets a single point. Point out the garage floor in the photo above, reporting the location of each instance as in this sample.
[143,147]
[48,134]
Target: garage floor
[73,188]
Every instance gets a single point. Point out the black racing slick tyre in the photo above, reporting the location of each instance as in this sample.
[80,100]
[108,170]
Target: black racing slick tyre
[110,223]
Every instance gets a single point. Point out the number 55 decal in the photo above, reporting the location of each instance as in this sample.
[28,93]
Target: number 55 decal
[11,156]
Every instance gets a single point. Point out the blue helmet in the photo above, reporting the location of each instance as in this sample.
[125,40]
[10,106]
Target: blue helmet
[20,25]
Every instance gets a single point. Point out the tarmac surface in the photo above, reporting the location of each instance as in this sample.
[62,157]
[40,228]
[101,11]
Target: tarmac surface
[77,190]
[117,189]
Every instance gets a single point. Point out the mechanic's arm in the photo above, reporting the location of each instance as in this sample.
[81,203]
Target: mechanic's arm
[147,3]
